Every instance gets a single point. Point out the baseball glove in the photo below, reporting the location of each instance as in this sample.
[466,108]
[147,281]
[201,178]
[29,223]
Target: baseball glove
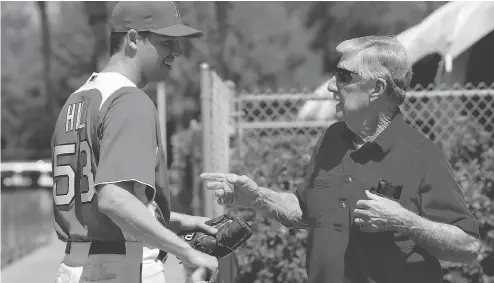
[232,233]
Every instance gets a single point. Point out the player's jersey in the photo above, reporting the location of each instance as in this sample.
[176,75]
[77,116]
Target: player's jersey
[107,132]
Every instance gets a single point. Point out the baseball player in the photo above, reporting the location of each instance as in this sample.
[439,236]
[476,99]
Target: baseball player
[109,163]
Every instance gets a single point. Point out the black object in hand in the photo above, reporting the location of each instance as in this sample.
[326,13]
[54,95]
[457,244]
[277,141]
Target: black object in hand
[388,190]
[232,233]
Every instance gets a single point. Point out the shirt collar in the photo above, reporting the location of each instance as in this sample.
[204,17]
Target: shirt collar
[113,76]
[392,133]
[388,137]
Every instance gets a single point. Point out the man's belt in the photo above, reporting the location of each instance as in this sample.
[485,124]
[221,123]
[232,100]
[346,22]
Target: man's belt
[162,256]
[102,247]
[107,247]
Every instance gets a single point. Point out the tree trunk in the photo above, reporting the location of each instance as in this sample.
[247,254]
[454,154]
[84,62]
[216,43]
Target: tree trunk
[222,11]
[97,16]
[46,54]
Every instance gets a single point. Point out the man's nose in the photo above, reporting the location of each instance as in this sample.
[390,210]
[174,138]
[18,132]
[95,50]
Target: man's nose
[177,49]
[332,85]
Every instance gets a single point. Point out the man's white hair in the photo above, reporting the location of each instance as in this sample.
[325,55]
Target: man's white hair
[381,57]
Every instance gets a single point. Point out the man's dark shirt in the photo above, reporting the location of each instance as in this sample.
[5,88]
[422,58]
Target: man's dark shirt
[337,177]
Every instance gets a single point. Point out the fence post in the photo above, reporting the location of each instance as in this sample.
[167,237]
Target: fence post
[161,101]
[237,114]
[228,266]
[206,132]
[232,113]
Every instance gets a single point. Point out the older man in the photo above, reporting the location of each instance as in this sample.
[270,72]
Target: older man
[355,235]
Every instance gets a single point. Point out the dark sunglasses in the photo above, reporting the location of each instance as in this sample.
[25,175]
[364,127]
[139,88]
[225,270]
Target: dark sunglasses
[344,75]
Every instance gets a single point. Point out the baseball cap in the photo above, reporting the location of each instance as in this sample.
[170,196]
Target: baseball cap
[161,17]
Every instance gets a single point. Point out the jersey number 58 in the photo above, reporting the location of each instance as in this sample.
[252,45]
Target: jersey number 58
[67,171]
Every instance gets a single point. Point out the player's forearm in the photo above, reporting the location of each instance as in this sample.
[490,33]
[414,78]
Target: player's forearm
[133,217]
[444,241]
[283,207]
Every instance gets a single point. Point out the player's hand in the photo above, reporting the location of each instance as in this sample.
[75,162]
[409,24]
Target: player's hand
[199,275]
[193,259]
[232,189]
[194,223]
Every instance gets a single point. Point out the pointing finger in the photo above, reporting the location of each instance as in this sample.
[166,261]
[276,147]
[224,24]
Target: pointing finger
[217,176]
[215,185]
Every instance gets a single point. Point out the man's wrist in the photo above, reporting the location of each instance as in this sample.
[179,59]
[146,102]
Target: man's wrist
[407,221]
[261,200]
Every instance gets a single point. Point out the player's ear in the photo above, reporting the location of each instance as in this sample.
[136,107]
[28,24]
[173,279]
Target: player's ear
[132,37]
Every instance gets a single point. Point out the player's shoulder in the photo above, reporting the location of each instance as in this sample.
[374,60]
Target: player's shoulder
[118,91]
[131,97]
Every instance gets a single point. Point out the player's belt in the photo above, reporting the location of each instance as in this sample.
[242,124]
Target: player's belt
[107,247]
[162,256]
[102,247]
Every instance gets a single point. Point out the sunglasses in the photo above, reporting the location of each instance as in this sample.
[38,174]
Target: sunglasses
[344,75]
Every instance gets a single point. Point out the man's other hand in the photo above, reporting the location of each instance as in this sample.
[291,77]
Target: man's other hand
[379,214]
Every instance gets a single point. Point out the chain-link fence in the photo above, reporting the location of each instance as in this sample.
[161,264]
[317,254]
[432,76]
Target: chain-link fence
[268,116]
[433,111]
[273,144]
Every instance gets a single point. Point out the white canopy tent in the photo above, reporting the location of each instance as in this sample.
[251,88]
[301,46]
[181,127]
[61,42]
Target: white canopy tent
[449,31]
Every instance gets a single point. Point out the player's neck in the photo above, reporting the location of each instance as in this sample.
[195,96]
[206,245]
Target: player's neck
[126,68]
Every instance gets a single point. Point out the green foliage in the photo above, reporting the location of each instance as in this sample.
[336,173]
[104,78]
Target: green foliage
[254,44]
[277,254]
[472,158]
[274,253]
[330,22]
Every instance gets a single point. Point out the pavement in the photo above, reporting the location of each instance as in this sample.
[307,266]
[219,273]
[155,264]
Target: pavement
[41,266]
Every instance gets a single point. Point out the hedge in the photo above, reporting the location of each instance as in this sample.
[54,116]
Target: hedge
[277,254]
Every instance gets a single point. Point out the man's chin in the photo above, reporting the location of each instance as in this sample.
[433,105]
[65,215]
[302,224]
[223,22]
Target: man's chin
[161,75]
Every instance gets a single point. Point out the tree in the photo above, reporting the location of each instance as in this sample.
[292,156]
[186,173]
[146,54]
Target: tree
[333,22]
[46,51]
[97,17]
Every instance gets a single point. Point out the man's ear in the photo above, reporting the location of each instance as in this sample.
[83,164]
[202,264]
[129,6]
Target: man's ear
[132,37]
[379,90]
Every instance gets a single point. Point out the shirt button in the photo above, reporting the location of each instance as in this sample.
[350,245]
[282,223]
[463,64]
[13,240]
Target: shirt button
[348,179]
[343,204]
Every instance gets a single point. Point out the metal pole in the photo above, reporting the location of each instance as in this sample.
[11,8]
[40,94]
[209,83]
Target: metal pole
[206,133]
[230,116]
[161,101]
[228,266]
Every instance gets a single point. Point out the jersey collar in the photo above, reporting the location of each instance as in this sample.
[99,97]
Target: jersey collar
[112,76]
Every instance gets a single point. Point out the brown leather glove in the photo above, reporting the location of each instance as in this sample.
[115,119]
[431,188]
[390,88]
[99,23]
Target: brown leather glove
[232,233]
